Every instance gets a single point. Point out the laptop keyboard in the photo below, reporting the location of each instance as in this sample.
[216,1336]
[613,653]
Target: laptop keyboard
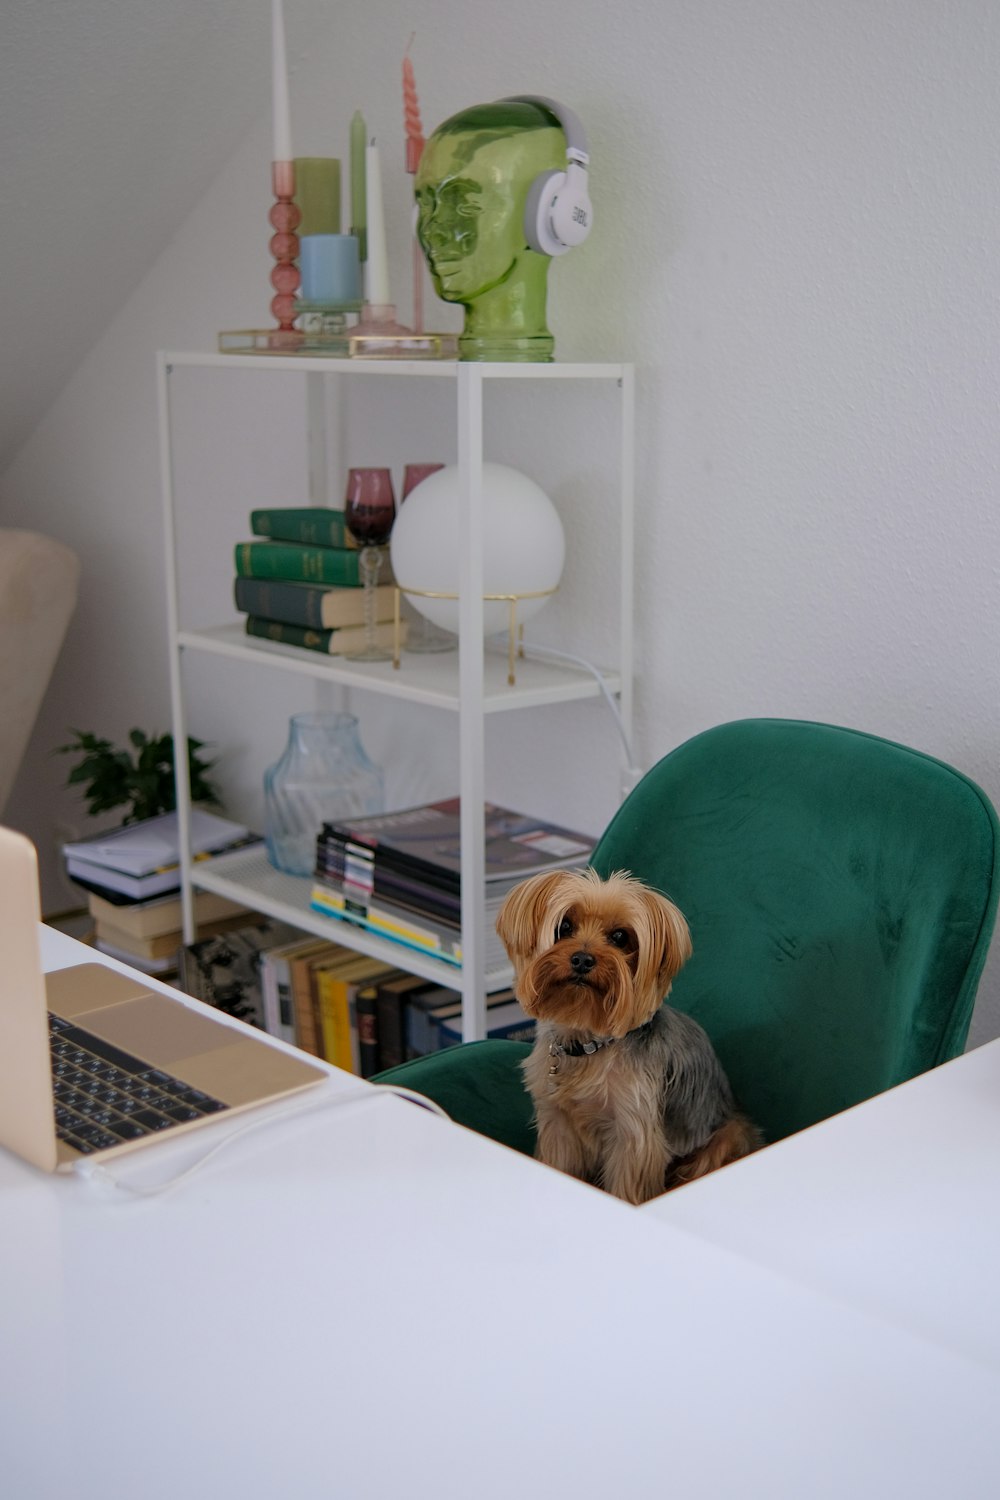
[104,1096]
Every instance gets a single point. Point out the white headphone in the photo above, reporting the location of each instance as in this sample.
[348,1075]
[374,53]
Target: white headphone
[558,213]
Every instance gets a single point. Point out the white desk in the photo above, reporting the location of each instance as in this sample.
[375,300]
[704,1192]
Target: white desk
[893,1206]
[369,1302]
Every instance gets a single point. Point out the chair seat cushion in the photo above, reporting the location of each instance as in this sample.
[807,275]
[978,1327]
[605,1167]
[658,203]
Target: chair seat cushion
[479,1085]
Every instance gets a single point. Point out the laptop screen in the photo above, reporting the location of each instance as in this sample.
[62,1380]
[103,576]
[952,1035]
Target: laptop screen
[27,1119]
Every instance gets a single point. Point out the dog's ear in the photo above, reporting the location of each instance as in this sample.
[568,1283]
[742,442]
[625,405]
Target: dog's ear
[669,946]
[528,912]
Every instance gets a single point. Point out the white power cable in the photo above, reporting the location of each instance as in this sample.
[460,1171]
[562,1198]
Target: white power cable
[543,653]
[89,1170]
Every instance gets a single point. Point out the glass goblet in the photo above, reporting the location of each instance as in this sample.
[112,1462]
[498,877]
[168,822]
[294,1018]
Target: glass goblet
[369,511]
[422,634]
[415,474]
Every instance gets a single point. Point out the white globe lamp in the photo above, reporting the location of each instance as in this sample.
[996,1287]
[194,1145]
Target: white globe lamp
[523,547]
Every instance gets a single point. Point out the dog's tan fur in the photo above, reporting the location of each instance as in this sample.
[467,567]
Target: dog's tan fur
[593,962]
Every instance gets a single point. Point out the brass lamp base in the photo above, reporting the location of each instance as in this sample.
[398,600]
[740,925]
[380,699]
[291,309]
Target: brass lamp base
[515,632]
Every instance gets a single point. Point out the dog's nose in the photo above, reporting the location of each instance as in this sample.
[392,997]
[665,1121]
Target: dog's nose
[582,962]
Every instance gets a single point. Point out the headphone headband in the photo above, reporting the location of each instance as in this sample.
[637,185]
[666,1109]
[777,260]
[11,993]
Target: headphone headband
[572,127]
[557,212]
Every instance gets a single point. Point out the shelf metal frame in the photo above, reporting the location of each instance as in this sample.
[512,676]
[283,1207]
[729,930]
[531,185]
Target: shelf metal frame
[479,688]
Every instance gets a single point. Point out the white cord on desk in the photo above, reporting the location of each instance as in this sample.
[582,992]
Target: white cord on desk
[91,1170]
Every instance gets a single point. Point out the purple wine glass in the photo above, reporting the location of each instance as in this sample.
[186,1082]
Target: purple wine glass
[369,511]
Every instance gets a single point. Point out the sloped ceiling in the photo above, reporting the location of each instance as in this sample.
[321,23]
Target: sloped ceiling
[115,115]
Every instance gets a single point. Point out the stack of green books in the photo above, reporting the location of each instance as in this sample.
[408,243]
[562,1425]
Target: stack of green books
[299,582]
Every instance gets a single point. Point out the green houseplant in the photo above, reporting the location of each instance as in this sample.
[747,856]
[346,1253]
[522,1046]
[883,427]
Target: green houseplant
[139,778]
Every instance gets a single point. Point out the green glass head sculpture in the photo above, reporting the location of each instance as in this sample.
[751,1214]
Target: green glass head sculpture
[471,187]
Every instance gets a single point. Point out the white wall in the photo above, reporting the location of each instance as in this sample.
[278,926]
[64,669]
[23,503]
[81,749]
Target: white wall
[796,241]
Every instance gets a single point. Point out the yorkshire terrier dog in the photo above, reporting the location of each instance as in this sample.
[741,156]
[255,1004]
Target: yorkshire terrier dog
[628,1092]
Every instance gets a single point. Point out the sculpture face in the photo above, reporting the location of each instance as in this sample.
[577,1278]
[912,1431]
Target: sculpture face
[471,186]
[470,217]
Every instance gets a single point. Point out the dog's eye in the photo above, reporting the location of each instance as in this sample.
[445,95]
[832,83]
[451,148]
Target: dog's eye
[618,938]
[565,929]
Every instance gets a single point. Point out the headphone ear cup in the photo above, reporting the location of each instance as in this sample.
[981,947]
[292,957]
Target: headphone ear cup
[557,211]
[538,214]
[571,213]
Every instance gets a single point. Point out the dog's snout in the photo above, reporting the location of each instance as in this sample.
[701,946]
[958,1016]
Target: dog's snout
[582,962]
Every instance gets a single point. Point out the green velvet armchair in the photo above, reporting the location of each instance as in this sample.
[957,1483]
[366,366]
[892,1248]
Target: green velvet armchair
[841,892]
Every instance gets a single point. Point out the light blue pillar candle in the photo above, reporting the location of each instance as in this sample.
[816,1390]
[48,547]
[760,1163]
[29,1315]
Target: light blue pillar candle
[330,268]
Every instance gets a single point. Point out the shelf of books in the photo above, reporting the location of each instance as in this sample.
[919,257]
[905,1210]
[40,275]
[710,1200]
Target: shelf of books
[432,679]
[246,877]
[297,605]
[270,948]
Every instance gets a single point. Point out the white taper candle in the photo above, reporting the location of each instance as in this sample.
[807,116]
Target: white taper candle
[378,261]
[279,86]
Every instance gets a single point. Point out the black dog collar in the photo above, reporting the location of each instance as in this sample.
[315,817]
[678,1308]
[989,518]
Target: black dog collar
[559,1050]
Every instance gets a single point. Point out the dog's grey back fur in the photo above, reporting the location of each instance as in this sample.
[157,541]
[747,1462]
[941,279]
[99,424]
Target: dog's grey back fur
[696,1092]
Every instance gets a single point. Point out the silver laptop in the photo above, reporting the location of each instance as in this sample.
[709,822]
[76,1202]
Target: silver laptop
[94,1064]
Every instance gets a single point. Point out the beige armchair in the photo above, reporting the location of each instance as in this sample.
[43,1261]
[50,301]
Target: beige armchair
[39,579]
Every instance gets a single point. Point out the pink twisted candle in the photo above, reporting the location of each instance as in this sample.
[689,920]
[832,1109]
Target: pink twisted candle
[414,147]
[411,118]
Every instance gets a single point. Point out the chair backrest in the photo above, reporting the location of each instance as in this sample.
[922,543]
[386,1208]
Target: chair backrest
[841,892]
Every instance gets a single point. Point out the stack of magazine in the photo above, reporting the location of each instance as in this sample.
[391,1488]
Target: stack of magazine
[399,873]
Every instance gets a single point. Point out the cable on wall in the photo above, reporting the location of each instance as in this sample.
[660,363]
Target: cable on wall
[632,772]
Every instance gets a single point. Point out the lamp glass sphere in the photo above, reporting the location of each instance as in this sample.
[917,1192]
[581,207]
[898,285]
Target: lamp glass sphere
[524,546]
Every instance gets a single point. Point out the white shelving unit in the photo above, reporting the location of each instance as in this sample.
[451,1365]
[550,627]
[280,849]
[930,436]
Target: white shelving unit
[471,683]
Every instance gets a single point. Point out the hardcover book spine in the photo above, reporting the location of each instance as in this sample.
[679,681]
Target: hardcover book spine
[285,1010]
[366,1012]
[314,524]
[335,1025]
[327,642]
[421,1036]
[287,560]
[274,599]
[390,1004]
[269,994]
[303,1005]
[290,635]
[163,914]
[352,1012]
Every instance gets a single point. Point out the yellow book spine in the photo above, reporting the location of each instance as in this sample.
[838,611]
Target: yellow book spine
[335,1019]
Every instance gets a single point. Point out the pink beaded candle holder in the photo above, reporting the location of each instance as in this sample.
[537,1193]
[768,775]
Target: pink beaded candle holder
[376,336]
[414,149]
[285,217]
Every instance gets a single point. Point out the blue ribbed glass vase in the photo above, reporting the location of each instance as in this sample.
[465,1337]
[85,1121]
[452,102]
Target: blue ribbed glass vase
[323,773]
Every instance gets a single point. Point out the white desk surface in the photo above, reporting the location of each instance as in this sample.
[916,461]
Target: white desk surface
[364,1301]
[893,1206]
